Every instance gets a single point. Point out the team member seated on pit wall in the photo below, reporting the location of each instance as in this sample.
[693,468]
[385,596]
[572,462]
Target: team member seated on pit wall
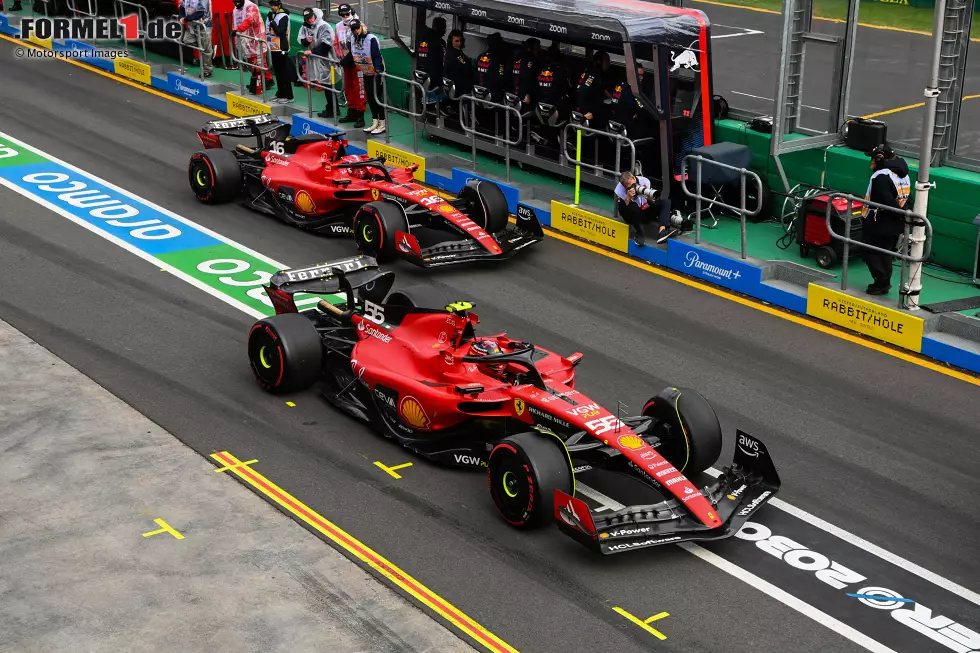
[458,66]
[493,73]
[199,35]
[319,39]
[552,87]
[277,26]
[430,54]
[635,206]
[365,54]
[890,186]
[353,88]
[247,20]
[525,70]
[591,93]
[629,112]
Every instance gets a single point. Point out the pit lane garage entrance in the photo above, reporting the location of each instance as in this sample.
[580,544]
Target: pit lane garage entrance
[672,94]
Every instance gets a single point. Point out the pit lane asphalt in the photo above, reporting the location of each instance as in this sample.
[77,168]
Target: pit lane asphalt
[873,444]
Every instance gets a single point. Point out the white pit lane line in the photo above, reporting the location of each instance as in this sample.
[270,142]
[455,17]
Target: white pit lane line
[709,557]
[743,31]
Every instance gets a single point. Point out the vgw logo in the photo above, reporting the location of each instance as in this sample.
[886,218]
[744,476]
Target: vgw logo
[99,28]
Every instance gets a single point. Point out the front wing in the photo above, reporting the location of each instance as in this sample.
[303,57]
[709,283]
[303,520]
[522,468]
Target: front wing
[742,488]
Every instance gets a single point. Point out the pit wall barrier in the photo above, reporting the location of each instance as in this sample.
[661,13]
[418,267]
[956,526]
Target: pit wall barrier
[853,313]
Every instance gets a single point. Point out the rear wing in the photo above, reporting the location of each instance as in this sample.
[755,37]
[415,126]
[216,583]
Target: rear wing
[264,129]
[741,490]
[360,273]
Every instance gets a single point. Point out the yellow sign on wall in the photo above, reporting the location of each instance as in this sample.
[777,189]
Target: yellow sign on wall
[871,319]
[44,43]
[590,226]
[243,106]
[397,157]
[132,69]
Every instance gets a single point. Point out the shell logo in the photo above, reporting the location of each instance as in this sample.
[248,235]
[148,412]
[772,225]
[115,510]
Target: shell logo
[304,202]
[445,208]
[631,442]
[375,193]
[412,412]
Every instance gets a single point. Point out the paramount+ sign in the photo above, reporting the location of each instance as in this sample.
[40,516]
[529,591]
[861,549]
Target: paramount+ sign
[98,28]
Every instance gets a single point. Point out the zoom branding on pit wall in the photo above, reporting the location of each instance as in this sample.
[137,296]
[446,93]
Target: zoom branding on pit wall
[99,28]
[914,615]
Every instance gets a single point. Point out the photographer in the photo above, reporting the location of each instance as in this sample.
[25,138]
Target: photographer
[636,203]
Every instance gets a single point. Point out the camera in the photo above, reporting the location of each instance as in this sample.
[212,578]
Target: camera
[647,192]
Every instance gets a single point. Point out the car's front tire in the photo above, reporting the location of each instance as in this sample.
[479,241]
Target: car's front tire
[375,228]
[215,176]
[488,205]
[285,353]
[523,471]
[693,441]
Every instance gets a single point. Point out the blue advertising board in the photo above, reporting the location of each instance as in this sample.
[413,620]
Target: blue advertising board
[704,264]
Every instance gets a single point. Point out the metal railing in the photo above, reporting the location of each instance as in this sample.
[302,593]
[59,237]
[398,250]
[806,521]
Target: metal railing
[741,209]
[190,25]
[410,112]
[473,131]
[909,219]
[92,12]
[330,89]
[260,70]
[142,20]
[596,167]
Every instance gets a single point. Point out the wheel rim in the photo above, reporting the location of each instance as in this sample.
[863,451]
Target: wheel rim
[509,482]
[201,177]
[367,233]
[266,359]
[266,364]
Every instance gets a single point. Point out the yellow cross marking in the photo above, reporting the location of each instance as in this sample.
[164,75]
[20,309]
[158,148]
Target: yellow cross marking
[238,464]
[391,470]
[164,528]
[645,623]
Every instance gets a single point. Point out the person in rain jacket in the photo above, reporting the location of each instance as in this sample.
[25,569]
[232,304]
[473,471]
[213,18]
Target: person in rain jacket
[354,90]
[306,37]
[247,20]
[320,43]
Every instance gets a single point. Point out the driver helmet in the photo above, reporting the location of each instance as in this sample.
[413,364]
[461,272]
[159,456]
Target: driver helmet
[485,348]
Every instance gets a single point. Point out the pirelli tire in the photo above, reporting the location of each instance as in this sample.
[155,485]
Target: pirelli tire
[376,225]
[696,445]
[215,176]
[419,297]
[523,472]
[489,206]
[285,353]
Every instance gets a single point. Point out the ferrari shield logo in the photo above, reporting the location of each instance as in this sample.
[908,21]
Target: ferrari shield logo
[375,193]
[519,406]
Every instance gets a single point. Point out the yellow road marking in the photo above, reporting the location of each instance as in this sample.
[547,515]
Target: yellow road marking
[645,623]
[896,110]
[244,464]
[365,554]
[802,320]
[391,470]
[762,10]
[291,404]
[164,528]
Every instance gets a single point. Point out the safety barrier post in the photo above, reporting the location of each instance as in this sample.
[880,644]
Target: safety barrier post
[741,210]
[92,12]
[595,167]
[507,142]
[179,41]
[909,219]
[330,89]
[263,47]
[410,113]
[141,26]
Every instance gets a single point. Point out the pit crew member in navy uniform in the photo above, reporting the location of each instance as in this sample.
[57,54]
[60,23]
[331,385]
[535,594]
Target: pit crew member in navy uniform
[430,53]
[277,27]
[889,185]
[458,66]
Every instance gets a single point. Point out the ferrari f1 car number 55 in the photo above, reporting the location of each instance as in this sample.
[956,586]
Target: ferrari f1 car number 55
[310,181]
[410,364]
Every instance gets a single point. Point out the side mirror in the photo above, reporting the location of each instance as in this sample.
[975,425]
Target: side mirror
[575,358]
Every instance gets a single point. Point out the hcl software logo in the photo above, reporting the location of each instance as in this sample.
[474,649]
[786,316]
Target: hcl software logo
[98,28]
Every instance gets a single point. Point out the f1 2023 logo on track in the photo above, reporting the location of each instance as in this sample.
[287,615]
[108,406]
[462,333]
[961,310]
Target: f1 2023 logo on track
[952,635]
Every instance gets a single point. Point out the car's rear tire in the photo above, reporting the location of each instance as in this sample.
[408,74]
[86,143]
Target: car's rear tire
[695,446]
[215,176]
[375,228]
[523,471]
[419,297]
[285,353]
[490,209]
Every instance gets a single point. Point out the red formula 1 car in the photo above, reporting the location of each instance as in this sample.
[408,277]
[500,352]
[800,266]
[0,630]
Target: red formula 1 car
[410,364]
[310,181]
